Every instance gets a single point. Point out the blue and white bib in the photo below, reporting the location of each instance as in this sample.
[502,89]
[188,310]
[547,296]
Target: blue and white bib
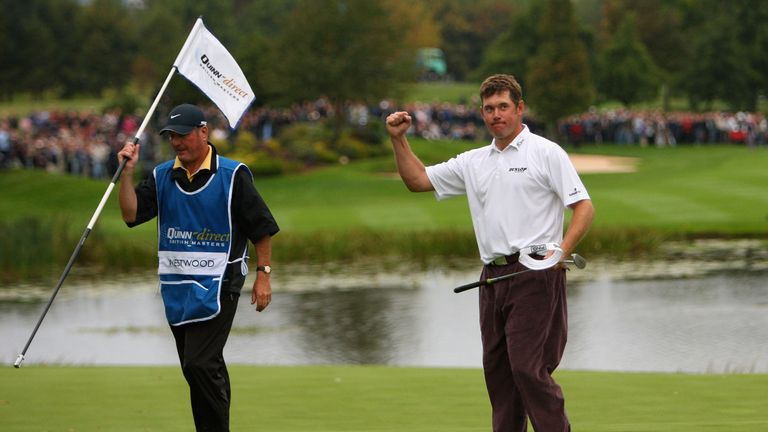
[194,241]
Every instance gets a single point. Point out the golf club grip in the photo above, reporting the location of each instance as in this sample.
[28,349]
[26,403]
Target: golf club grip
[469,286]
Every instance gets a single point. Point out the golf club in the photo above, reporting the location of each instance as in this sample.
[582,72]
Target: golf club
[576,260]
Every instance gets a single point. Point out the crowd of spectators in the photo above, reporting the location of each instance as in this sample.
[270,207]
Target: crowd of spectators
[82,143]
[430,120]
[85,143]
[77,143]
[655,128]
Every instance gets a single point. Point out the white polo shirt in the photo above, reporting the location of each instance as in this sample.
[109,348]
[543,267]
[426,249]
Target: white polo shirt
[517,196]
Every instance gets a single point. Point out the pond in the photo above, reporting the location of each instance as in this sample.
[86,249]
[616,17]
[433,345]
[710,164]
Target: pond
[623,317]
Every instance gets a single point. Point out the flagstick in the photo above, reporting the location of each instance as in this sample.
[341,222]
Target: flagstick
[92,222]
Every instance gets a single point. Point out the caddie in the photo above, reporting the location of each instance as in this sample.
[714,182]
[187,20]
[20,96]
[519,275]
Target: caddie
[207,209]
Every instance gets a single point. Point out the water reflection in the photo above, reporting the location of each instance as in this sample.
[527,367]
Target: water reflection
[357,326]
[716,323]
[713,324]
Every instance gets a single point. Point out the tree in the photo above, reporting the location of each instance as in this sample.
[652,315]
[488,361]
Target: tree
[162,36]
[418,21]
[626,72]
[559,82]
[660,29]
[510,51]
[345,50]
[468,28]
[725,45]
[31,58]
[256,56]
[65,77]
[753,36]
[261,17]
[108,46]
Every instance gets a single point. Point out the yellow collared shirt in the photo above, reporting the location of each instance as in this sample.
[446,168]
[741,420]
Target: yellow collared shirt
[205,165]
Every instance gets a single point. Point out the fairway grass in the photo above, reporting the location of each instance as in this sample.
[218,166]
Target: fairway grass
[705,190]
[363,210]
[367,398]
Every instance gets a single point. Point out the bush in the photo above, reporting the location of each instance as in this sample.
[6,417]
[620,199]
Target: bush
[308,142]
[373,132]
[263,159]
[313,143]
[263,164]
[351,147]
[245,141]
[303,144]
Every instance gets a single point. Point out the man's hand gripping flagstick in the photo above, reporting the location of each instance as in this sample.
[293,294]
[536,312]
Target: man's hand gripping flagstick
[532,264]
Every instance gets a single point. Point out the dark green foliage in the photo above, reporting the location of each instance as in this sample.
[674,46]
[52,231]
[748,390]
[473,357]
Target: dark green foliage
[724,60]
[106,47]
[305,145]
[38,45]
[511,51]
[559,81]
[707,51]
[627,72]
[468,28]
[344,51]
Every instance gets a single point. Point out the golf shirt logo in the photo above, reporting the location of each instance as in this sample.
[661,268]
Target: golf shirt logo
[518,170]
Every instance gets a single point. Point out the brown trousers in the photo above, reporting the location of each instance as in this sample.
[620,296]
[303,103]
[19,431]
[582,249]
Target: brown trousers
[524,327]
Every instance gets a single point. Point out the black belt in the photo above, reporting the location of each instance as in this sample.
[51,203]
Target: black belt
[512,259]
[505,260]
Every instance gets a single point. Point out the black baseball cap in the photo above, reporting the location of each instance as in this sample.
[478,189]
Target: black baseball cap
[183,119]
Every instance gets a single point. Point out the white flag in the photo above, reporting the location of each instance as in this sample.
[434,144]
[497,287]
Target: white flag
[206,63]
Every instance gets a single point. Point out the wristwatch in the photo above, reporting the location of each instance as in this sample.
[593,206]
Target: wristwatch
[265,268]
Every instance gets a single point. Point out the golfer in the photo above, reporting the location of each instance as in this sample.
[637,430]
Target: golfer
[207,209]
[517,188]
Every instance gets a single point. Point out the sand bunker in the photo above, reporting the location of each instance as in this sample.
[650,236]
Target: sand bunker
[588,164]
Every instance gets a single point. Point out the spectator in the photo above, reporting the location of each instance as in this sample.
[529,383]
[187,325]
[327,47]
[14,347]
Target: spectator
[86,143]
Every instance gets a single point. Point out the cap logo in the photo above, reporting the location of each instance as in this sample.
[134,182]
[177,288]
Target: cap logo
[183,119]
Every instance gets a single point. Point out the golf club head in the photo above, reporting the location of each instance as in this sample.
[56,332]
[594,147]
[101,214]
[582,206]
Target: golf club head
[579,261]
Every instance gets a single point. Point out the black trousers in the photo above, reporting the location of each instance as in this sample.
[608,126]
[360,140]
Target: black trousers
[201,352]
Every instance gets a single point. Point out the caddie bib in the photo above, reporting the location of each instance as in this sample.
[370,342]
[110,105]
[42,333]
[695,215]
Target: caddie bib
[194,241]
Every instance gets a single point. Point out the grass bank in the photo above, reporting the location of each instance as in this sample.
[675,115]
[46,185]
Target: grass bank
[23,105]
[363,210]
[380,399]
[444,92]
